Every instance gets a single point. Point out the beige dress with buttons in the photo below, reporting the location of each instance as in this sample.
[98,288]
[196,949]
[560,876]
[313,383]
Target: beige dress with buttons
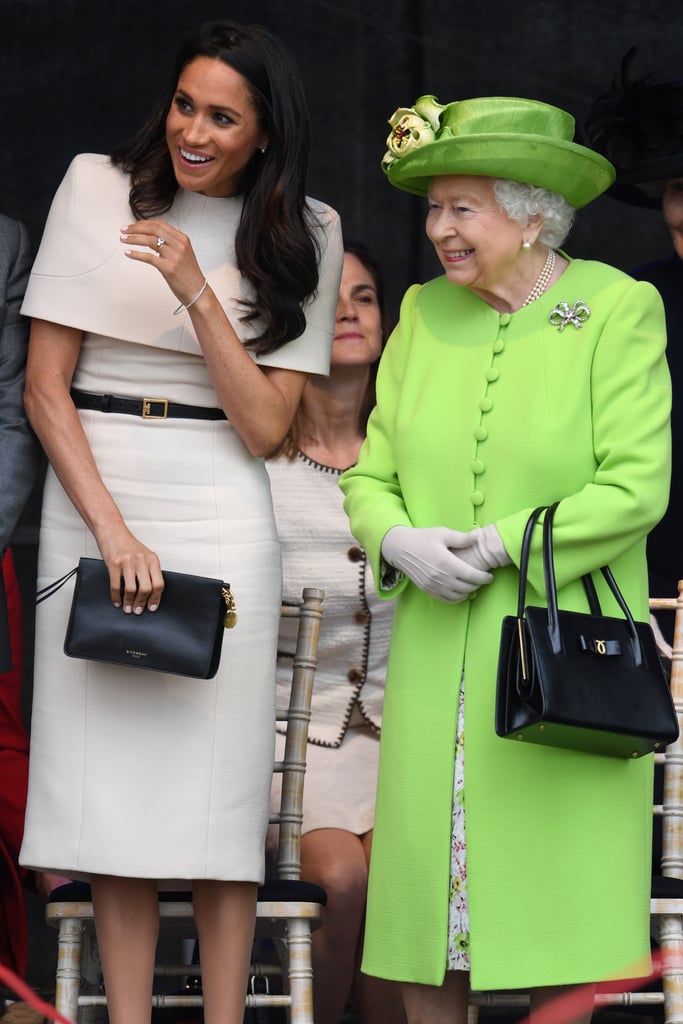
[319,550]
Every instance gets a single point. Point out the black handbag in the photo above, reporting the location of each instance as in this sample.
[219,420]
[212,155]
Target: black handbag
[583,681]
[184,636]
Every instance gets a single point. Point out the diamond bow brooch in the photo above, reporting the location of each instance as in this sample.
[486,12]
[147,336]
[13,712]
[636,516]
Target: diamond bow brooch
[564,314]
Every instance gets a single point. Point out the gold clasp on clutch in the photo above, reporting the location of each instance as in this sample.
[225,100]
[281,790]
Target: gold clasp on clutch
[230,617]
[600,647]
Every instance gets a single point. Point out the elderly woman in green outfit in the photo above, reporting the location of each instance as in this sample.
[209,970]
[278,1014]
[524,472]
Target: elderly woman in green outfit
[517,378]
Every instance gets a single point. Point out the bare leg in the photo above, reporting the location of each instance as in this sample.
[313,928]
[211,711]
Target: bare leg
[335,859]
[46,883]
[225,914]
[377,1001]
[126,912]
[574,1005]
[446,1004]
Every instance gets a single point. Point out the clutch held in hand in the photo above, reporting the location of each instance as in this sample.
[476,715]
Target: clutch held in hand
[183,636]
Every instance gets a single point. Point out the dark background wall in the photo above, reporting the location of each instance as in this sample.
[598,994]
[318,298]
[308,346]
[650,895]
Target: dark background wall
[79,75]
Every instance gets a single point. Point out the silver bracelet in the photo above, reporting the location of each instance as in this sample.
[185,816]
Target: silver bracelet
[186,305]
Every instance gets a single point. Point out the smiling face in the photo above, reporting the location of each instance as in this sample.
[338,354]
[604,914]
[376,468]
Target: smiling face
[478,245]
[672,208]
[212,128]
[358,324]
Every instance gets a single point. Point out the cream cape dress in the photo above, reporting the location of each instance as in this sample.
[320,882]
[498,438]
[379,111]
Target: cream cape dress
[135,773]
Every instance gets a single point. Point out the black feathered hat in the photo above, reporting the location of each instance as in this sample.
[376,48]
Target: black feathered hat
[638,126]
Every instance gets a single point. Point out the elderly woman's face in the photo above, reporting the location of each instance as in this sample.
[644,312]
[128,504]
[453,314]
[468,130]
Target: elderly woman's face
[672,208]
[477,243]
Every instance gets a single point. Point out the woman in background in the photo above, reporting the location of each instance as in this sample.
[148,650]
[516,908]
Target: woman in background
[319,550]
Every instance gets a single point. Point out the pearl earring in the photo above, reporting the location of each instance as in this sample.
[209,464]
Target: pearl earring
[526,244]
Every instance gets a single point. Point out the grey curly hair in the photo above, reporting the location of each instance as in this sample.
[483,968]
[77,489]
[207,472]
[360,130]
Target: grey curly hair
[521,201]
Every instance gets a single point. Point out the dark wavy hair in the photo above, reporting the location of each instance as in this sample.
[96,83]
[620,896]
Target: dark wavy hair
[275,246]
[290,445]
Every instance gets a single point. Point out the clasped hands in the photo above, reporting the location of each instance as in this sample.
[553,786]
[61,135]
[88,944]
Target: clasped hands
[446,564]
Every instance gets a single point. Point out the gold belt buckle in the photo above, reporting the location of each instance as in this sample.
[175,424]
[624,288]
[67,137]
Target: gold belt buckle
[147,408]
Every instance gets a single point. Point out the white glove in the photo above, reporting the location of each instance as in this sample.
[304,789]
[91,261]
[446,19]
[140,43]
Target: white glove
[426,557]
[483,548]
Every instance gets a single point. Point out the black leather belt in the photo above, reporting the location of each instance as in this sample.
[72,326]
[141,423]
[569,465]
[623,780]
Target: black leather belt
[147,408]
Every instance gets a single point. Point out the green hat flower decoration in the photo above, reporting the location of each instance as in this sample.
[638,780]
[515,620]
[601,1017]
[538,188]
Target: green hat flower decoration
[412,127]
[494,136]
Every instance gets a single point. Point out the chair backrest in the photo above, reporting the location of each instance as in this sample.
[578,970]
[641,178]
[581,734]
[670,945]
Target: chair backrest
[289,817]
[671,761]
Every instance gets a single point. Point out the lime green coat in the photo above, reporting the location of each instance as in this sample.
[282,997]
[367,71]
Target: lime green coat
[480,417]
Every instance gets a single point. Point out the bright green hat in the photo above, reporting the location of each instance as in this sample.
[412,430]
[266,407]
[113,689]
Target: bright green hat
[496,136]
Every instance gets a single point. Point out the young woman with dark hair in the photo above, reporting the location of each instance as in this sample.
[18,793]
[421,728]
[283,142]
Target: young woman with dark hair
[275,247]
[358,259]
[189,267]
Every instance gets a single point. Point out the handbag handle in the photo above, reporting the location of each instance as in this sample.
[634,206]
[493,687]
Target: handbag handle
[56,585]
[524,558]
[587,580]
[551,592]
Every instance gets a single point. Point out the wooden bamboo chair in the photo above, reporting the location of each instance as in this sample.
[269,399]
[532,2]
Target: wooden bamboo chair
[288,909]
[663,996]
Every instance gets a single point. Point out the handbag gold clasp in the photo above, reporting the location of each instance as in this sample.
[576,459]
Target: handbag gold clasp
[600,647]
[230,617]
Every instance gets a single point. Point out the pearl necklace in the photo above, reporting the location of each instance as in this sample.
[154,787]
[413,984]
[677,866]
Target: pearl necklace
[543,279]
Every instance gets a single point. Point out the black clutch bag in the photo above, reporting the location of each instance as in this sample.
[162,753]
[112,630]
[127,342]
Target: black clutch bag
[583,681]
[184,636]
